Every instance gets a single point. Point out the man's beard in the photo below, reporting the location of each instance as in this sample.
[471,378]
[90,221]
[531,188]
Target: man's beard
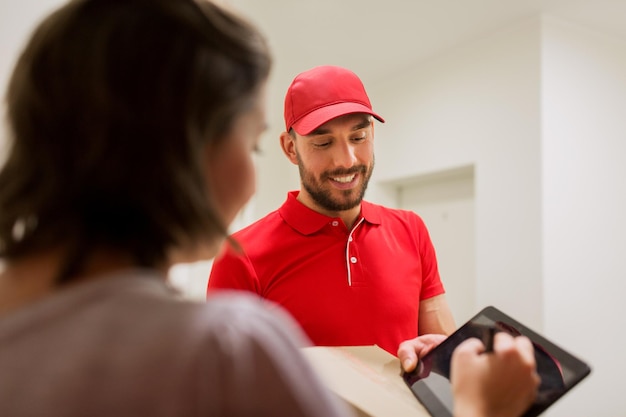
[324,198]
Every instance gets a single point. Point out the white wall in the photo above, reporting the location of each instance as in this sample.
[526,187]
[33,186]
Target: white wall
[584,208]
[17,20]
[478,104]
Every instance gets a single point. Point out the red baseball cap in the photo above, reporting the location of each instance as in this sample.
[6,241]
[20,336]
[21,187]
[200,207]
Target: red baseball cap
[322,94]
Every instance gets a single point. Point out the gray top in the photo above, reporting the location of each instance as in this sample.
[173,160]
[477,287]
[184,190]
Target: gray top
[128,345]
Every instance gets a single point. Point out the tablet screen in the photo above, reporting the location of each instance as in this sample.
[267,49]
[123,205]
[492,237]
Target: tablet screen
[558,369]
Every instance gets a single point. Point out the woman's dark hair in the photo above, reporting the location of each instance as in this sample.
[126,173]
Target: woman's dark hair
[109,108]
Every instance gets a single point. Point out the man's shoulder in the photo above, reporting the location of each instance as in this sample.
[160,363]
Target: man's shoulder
[264,226]
[385,212]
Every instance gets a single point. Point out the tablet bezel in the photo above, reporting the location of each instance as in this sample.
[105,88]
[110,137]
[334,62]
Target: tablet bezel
[437,403]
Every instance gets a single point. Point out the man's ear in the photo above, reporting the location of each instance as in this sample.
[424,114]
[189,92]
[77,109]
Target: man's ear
[288,145]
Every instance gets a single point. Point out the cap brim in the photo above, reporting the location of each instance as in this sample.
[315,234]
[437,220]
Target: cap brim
[318,117]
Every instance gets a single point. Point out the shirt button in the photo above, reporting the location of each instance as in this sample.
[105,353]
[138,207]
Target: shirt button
[353,260]
[350,239]
[335,223]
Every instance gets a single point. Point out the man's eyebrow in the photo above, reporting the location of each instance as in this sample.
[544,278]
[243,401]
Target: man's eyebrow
[362,125]
[319,131]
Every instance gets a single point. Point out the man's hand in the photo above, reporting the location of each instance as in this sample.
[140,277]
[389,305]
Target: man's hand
[410,351]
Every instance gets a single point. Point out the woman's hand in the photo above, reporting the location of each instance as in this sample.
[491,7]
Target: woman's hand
[502,383]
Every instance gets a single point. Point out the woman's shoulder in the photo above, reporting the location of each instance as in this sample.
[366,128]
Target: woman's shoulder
[237,317]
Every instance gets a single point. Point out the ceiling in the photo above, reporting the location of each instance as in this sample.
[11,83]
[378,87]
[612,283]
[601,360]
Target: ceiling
[375,37]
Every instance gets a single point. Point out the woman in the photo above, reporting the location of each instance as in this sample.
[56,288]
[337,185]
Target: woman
[132,124]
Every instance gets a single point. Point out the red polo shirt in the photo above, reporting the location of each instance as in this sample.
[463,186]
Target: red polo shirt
[345,287]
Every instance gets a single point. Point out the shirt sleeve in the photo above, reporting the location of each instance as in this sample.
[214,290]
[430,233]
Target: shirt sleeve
[232,270]
[431,281]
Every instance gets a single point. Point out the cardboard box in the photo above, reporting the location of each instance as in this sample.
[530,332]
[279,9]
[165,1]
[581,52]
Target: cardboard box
[367,378]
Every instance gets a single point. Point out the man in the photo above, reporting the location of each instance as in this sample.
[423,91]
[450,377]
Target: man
[349,271]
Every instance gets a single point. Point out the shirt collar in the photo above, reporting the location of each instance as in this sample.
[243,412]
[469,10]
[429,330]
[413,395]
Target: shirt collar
[308,221]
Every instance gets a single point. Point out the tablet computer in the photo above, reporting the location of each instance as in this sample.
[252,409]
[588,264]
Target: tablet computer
[559,370]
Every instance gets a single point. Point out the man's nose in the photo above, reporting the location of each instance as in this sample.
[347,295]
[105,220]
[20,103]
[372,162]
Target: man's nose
[345,155]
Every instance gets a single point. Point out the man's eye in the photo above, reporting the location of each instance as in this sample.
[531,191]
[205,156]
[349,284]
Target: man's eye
[321,144]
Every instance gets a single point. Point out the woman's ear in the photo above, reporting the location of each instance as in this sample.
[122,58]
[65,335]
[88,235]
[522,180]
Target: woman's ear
[288,145]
